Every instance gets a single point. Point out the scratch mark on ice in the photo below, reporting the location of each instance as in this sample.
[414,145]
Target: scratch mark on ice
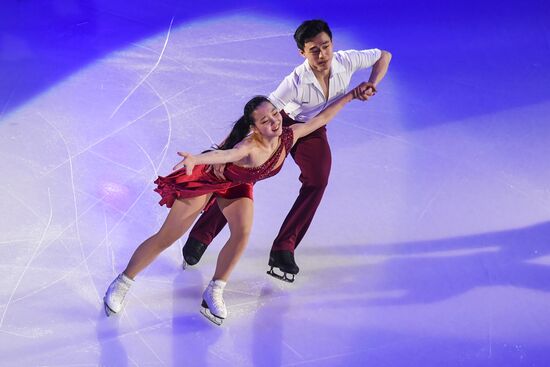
[31,259]
[148,74]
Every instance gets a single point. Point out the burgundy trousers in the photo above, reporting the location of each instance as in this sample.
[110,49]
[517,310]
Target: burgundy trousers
[312,155]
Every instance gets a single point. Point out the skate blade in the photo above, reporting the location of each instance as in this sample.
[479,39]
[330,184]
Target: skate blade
[282,277]
[210,316]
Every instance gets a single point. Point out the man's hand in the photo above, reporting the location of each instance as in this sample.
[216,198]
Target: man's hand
[365,91]
[188,162]
[218,171]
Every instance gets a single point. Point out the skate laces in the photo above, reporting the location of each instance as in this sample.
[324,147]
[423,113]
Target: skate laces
[216,293]
[217,297]
[121,287]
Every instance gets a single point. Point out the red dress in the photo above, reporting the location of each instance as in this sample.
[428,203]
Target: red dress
[178,185]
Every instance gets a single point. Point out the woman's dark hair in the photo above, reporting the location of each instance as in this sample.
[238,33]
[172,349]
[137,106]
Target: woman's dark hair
[308,30]
[241,128]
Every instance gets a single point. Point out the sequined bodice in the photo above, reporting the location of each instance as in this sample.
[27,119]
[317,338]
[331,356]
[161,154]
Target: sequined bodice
[269,168]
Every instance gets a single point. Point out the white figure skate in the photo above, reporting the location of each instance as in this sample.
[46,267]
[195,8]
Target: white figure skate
[213,305]
[114,297]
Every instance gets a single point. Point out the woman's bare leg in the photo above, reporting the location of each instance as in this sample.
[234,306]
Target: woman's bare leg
[179,219]
[239,213]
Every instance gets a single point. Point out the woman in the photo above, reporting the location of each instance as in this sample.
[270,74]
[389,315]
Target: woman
[255,148]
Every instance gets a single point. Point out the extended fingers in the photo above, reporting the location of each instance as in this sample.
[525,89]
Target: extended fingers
[180,165]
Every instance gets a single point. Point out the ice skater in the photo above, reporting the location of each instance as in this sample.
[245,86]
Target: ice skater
[254,150]
[322,78]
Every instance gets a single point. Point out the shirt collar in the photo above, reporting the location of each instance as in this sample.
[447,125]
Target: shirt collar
[335,68]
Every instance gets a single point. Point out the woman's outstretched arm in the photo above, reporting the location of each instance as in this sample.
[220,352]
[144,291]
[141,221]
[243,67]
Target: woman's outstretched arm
[235,154]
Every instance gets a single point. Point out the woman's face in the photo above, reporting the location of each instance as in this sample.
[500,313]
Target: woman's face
[268,122]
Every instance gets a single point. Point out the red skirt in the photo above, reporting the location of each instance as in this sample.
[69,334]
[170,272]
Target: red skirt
[178,185]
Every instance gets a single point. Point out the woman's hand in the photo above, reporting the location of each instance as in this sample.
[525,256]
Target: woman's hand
[217,169]
[188,162]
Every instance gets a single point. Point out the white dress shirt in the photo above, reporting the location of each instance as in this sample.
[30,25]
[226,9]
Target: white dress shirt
[301,95]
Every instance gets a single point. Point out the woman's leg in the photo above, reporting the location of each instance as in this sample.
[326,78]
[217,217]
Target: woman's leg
[238,213]
[179,219]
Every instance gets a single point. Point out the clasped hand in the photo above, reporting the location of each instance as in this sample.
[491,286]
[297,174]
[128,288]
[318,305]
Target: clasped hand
[364,91]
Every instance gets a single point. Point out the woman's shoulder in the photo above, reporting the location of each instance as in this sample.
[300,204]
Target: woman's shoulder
[247,143]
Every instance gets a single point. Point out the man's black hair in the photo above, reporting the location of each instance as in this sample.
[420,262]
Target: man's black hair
[308,30]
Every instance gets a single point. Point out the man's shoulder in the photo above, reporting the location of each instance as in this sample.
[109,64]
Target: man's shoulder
[298,75]
[351,59]
[299,71]
[342,55]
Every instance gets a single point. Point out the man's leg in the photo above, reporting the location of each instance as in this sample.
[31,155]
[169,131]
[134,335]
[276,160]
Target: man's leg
[312,154]
[209,224]
[313,157]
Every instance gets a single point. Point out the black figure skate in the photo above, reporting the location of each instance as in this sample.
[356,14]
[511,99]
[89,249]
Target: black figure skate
[192,252]
[284,261]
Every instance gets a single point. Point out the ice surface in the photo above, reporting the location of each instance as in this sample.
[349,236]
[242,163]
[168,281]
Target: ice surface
[431,246]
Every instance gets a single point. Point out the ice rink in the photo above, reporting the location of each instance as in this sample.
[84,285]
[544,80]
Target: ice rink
[431,246]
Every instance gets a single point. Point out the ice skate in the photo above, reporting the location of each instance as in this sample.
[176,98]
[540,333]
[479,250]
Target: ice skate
[114,297]
[213,305]
[192,252]
[284,262]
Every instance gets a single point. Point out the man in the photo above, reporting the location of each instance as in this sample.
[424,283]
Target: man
[323,77]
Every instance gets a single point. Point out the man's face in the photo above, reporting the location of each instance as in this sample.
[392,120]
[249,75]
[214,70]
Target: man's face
[318,52]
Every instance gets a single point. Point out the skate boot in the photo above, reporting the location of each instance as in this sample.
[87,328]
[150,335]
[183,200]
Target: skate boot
[114,297]
[284,261]
[192,252]
[213,306]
